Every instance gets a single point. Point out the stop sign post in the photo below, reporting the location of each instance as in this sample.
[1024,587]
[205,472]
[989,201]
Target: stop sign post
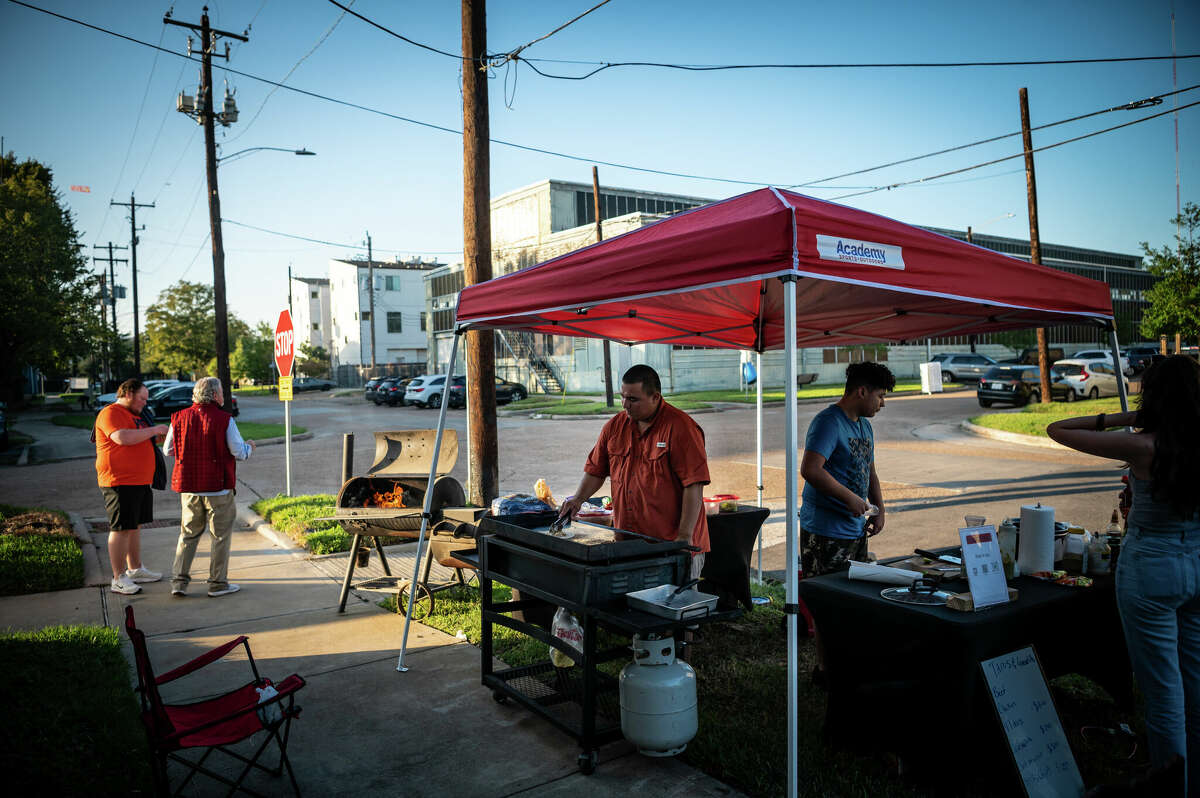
[285,356]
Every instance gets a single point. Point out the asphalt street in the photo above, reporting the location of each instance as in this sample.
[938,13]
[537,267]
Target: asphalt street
[933,473]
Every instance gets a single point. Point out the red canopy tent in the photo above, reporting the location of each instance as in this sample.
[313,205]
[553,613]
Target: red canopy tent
[773,269]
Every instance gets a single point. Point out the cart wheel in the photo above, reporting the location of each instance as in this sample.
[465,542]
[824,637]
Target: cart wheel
[588,762]
[422,605]
[499,697]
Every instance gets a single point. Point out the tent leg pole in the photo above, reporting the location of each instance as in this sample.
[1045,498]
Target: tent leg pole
[791,564]
[758,381]
[425,511]
[1116,356]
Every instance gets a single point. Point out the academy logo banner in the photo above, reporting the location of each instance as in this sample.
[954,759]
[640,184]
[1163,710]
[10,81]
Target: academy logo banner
[864,253]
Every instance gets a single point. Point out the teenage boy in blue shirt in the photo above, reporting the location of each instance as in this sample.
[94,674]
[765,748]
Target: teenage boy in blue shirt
[840,483]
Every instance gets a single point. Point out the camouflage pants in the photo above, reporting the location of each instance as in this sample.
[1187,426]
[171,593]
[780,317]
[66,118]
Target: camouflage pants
[821,555]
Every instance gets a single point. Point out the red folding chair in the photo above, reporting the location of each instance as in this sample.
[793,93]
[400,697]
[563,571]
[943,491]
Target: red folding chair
[214,723]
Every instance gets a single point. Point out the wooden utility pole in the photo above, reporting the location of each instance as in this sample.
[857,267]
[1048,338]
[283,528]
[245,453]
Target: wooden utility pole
[484,452]
[208,117]
[371,303]
[608,388]
[112,279]
[1035,246]
[133,205]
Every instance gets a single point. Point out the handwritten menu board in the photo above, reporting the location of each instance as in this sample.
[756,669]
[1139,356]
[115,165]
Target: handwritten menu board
[1030,721]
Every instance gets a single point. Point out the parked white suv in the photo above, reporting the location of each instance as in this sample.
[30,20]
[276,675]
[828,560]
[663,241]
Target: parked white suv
[1103,354]
[426,391]
[1088,378]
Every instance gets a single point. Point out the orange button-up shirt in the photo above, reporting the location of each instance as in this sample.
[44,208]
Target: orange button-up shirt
[650,470]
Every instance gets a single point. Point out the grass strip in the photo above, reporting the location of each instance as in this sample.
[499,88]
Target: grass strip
[777,394]
[590,408]
[255,390]
[294,516]
[1033,419]
[71,720]
[77,420]
[38,551]
[253,430]
[538,401]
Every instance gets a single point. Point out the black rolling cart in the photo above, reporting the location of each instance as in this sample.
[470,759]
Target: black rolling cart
[587,574]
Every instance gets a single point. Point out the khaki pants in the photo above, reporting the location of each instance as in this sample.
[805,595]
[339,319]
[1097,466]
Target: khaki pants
[216,513]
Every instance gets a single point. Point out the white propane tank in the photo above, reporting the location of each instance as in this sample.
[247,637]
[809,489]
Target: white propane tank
[658,698]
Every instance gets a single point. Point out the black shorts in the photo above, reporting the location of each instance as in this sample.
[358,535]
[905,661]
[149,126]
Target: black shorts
[821,555]
[128,506]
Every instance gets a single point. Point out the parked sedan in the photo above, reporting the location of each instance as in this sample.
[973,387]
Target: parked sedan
[1090,378]
[1103,354]
[382,390]
[312,384]
[1140,356]
[963,367]
[153,386]
[174,398]
[1017,385]
[369,389]
[505,392]
[393,395]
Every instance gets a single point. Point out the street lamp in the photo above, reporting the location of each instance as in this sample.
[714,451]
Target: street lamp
[301,151]
[988,221]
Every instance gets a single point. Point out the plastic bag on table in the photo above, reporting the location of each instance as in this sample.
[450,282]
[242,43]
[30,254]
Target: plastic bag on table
[516,503]
[565,627]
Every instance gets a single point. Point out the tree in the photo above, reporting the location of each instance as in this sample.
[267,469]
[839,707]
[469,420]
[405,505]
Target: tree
[48,307]
[179,334]
[1175,298]
[313,361]
[253,355]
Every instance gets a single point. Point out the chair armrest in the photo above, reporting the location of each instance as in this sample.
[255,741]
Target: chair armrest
[202,660]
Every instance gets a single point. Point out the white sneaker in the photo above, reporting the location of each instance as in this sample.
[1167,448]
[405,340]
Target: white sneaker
[124,585]
[141,574]
[225,591]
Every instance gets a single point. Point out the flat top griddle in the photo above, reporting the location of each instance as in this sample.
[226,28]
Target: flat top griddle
[585,543]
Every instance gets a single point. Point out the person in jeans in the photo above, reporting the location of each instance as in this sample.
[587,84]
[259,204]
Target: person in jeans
[205,442]
[1158,576]
[124,470]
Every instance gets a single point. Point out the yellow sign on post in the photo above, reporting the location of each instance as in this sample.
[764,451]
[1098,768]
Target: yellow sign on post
[285,389]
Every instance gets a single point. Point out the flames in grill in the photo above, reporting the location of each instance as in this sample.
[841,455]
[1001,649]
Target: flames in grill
[394,498]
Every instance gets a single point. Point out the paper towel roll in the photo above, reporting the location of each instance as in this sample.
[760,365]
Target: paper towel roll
[873,572]
[1037,539]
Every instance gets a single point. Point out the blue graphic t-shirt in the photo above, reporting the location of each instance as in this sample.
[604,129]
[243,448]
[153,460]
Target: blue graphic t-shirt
[849,449]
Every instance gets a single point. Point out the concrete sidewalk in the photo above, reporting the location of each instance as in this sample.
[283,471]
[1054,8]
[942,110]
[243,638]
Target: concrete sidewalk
[365,728]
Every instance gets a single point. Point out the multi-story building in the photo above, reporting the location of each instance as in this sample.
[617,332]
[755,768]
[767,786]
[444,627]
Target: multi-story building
[308,298]
[399,315]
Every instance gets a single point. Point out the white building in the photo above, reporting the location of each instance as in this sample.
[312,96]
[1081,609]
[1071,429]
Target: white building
[308,298]
[399,320]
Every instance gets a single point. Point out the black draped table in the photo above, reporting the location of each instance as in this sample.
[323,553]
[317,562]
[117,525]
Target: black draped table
[731,537]
[907,677]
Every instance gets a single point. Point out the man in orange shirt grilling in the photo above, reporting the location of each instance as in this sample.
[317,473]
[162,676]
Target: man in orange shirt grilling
[654,455]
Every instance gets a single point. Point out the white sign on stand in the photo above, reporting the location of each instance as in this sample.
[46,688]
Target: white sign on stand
[931,377]
[1035,735]
[984,565]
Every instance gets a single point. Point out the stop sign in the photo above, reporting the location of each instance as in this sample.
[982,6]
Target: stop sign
[285,336]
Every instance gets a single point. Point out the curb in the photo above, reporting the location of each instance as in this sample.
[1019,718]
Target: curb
[256,522]
[1012,437]
[93,575]
[303,436]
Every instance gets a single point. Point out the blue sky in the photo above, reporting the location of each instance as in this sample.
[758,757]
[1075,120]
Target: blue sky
[73,98]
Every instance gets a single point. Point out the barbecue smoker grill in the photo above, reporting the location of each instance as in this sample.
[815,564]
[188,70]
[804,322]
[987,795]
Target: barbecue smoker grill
[400,477]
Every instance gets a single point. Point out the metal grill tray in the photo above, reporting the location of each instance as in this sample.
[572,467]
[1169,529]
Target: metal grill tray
[588,543]
[663,602]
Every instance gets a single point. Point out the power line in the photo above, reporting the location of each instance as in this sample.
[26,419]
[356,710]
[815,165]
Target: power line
[161,125]
[514,54]
[390,32]
[502,142]
[1018,155]
[1130,106]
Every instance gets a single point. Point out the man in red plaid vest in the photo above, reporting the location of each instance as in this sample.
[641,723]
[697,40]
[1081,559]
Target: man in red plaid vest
[205,442]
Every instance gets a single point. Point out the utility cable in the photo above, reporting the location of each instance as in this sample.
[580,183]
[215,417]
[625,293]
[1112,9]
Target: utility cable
[390,32]
[514,54]
[501,142]
[1129,106]
[880,65]
[1017,155]
[162,123]
[295,66]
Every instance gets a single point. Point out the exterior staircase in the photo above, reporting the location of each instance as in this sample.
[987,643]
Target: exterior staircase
[521,347]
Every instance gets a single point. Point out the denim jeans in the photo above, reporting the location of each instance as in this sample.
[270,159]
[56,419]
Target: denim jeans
[1158,594]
